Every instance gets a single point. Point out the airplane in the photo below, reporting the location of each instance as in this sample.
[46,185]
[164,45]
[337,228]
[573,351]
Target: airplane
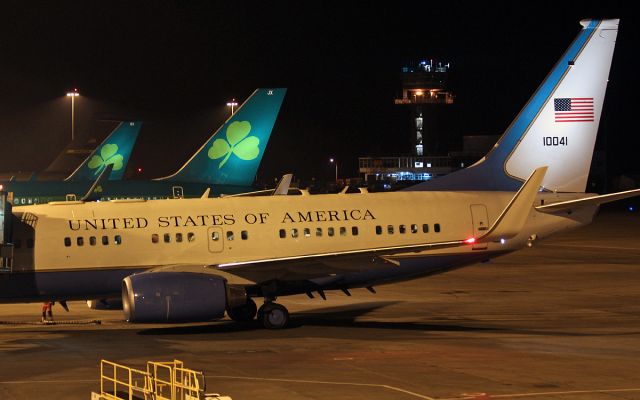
[226,163]
[187,260]
[115,149]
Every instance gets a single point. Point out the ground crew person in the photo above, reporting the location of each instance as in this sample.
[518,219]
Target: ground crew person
[47,311]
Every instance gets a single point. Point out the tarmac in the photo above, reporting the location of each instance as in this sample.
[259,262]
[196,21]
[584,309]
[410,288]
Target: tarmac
[560,320]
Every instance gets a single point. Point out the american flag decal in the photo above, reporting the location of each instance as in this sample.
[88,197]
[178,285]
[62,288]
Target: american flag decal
[573,109]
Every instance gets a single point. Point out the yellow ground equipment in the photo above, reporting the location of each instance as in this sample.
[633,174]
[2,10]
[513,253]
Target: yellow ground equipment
[161,381]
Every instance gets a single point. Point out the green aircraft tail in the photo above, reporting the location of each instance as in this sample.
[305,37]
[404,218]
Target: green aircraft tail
[233,153]
[115,149]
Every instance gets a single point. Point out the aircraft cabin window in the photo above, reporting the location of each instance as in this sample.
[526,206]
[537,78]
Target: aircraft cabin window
[167,238]
[92,240]
[436,227]
[402,229]
[244,235]
[330,231]
[117,239]
[105,240]
[29,243]
[425,228]
[390,229]
[343,231]
[67,242]
[155,238]
[307,232]
[80,241]
[318,232]
[215,236]
[283,234]
[229,235]
[17,244]
[294,232]
[414,228]
[354,230]
[378,230]
[178,237]
[191,236]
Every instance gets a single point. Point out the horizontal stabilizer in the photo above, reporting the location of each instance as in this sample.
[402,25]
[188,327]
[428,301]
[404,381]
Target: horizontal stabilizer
[514,216]
[588,201]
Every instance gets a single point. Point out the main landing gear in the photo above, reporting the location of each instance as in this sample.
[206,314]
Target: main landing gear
[271,315]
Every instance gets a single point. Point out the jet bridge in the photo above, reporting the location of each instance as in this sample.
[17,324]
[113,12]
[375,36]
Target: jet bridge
[6,247]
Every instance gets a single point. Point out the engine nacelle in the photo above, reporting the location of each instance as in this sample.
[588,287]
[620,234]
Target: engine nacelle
[173,297]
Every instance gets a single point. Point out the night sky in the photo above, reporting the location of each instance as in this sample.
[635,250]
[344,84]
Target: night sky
[175,65]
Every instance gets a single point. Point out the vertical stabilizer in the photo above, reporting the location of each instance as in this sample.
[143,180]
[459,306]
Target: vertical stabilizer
[557,127]
[115,149]
[233,153]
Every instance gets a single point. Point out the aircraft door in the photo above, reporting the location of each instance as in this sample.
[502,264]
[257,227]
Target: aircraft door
[480,220]
[216,243]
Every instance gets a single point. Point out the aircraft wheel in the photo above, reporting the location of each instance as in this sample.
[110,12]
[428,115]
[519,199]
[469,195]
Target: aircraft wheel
[274,316]
[243,313]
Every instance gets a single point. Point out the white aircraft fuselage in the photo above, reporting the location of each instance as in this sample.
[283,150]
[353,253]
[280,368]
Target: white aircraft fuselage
[106,241]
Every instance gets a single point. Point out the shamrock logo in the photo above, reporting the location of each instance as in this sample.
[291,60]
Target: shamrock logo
[108,155]
[245,148]
[98,189]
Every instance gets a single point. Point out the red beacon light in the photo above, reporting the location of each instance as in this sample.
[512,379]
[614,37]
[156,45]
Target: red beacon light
[470,240]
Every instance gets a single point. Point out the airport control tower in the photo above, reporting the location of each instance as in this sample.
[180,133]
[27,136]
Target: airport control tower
[425,92]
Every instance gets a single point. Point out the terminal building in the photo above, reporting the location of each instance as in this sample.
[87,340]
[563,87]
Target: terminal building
[430,106]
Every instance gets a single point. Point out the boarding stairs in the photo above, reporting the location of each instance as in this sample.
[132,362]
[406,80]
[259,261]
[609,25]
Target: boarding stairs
[161,381]
[6,247]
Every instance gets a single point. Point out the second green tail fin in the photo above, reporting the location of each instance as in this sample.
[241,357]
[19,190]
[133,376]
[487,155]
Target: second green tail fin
[233,153]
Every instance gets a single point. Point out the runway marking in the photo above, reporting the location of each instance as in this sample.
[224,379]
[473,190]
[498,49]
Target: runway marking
[590,247]
[420,396]
[534,394]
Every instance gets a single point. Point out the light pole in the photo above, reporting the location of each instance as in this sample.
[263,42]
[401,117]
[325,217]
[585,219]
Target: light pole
[334,161]
[232,104]
[73,96]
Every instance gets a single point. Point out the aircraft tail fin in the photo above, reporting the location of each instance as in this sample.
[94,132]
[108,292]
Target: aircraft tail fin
[233,153]
[114,150]
[557,127]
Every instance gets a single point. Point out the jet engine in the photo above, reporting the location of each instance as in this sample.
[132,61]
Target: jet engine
[173,297]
